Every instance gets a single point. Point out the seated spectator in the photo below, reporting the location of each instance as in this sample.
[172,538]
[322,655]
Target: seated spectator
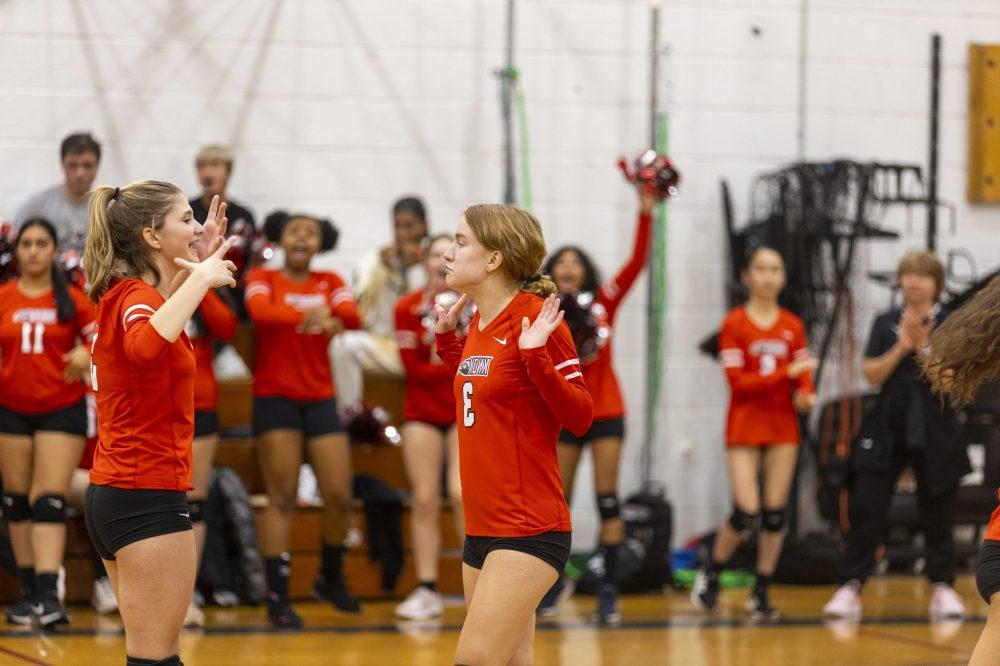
[65,205]
[380,279]
[214,164]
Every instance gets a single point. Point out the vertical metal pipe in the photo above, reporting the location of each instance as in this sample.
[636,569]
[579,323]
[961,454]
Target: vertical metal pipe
[653,258]
[507,111]
[932,166]
[803,62]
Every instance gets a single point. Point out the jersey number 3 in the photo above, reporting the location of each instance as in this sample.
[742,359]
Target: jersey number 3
[468,416]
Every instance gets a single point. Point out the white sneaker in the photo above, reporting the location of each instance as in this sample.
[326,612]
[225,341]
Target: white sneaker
[195,616]
[945,602]
[846,602]
[103,598]
[61,586]
[422,604]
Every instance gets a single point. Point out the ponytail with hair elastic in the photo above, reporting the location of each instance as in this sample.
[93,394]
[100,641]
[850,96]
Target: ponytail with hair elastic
[115,246]
[539,284]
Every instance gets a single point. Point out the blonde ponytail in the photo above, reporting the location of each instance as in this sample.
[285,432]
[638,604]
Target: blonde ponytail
[539,285]
[115,246]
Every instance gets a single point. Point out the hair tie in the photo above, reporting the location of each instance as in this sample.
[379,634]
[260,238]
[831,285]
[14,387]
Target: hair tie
[114,197]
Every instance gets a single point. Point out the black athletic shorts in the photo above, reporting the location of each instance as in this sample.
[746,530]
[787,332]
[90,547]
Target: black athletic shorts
[117,517]
[988,569]
[550,547]
[71,420]
[206,423]
[313,418]
[598,430]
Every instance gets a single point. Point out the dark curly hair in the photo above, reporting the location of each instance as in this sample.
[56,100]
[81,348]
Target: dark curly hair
[591,276]
[965,349]
[275,223]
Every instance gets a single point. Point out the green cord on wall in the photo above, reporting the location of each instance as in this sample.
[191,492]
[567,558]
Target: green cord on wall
[658,273]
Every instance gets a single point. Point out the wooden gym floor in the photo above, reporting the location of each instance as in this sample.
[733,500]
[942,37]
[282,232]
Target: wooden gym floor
[656,630]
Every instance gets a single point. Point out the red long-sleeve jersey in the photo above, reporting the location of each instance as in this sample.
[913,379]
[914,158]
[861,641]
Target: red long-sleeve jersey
[429,393]
[288,363]
[756,363]
[599,374]
[219,324]
[32,344]
[511,404]
[145,394]
[993,531]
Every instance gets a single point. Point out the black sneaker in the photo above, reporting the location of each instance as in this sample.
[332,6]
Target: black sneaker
[760,607]
[607,606]
[281,615]
[337,594]
[50,612]
[21,612]
[705,593]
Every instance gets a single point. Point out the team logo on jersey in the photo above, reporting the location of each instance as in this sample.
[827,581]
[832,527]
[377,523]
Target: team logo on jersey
[35,316]
[778,348]
[305,301]
[475,366]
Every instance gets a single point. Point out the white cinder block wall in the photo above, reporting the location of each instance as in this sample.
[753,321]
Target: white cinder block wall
[338,107]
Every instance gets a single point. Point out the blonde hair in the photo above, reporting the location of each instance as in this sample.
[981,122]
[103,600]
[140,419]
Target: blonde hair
[215,153]
[115,247]
[922,262]
[517,235]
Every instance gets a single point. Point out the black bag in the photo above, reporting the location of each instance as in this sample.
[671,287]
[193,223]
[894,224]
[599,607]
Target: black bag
[644,556]
[231,568]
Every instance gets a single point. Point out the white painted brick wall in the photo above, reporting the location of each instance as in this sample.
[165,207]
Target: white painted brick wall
[338,107]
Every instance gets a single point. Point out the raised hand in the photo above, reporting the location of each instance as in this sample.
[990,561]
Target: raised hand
[214,269]
[536,334]
[447,321]
[214,230]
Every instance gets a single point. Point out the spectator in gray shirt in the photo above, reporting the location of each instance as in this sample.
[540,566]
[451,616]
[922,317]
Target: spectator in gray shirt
[66,205]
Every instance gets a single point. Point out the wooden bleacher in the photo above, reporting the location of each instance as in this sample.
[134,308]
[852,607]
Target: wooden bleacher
[237,451]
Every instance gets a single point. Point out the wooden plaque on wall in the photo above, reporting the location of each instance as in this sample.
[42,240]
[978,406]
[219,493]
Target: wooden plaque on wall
[984,124]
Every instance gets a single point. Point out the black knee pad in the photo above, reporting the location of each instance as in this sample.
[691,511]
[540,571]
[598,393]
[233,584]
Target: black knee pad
[49,509]
[773,520]
[196,510]
[608,507]
[16,508]
[740,520]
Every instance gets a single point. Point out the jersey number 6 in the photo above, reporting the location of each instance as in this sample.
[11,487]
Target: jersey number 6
[468,416]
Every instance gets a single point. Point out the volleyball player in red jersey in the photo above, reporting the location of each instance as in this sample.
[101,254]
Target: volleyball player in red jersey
[214,320]
[962,358]
[295,312]
[45,326]
[593,315]
[429,433]
[518,383]
[763,350]
[141,258]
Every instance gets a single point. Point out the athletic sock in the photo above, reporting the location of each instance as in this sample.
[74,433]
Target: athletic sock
[333,563]
[611,563]
[429,584]
[139,661]
[46,584]
[26,577]
[278,571]
[762,584]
